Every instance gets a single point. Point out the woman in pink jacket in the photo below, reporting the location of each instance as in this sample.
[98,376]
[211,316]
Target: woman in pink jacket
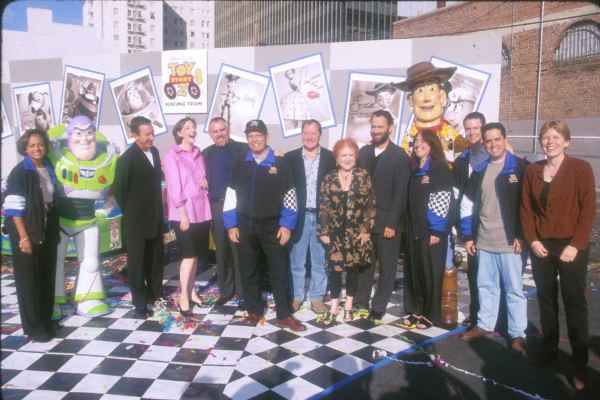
[188,206]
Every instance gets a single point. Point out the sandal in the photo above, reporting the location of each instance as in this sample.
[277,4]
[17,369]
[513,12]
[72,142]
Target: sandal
[409,322]
[348,316]
[423,323]
[330,318]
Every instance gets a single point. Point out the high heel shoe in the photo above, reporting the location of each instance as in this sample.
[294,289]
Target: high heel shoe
[330,318]
[348,316]
[184,313]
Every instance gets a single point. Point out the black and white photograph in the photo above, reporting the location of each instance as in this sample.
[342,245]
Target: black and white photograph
[6,128]
[302,93]
[81,95]
[465,91]
[34,107]
[135,95]
[238,97]
[366,94]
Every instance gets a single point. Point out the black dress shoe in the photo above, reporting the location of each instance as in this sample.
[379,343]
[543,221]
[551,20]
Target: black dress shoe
[42,337]
[142,313]
[375,316]
[545,357]
[222,301]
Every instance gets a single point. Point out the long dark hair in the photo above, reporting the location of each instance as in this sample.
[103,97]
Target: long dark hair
[437,151]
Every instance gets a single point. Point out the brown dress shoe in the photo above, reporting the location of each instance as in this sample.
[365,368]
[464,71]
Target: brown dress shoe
[291,323]
[519,346]
[474,333]
[251,319]
[450,297]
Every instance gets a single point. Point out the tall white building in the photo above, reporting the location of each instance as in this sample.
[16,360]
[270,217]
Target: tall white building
[139,25]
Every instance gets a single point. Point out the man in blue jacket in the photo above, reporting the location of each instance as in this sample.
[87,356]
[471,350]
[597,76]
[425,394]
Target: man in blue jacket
[491,226]
[260,211]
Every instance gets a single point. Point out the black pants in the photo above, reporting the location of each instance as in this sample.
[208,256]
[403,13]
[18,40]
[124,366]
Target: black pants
[257,234]
[423,275]
[228,266]
[335,281]
[472,268]
[35,275]
[144,268]
[572,287]
[386,252]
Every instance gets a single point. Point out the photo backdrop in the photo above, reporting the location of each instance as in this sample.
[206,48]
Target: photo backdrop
[479,51]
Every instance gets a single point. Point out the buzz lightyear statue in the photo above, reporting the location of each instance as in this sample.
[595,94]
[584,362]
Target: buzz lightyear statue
[85,167]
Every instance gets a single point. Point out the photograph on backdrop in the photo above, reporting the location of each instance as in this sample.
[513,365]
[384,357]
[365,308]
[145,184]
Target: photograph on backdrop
[302,93]
[135,95]
[34,107]
[81,95]
[465,90]
[184,75]
[238,97]
[366,94]
[6,128]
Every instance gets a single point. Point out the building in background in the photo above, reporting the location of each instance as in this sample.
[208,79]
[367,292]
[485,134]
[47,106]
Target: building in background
[570,59]
[47,39]
[407,9]
[138,25]
[266,23]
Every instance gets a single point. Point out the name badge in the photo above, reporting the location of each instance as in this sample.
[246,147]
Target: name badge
[513,178]
[425,180]
[273,170]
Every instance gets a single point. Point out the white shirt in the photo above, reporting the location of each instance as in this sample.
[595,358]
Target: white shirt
[148,154]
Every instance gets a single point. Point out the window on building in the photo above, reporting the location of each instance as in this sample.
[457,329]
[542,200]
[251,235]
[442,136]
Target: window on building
[192,22]
[129,13]
[208,35]
[176,43]
[181,32]
[116,37]
[581,40]
[152,42]
[152,27]
[139,40]
[129,26]
[115,24]
[129,39]
[202,24]
[176,20]
[115,11]
[207,24]
[192,33]
[152,15]
[192,45]
[505,57]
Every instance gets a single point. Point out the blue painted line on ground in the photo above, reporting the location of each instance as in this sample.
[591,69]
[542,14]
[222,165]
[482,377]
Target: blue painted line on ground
[387,360]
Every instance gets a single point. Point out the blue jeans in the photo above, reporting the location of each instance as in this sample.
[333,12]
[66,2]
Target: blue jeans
[507,268]
[318,277]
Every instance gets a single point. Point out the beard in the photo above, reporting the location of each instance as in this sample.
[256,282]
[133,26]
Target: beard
[382,139]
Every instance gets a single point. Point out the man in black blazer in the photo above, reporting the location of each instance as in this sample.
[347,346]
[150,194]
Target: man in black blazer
[137,189]
[309,164]
[219,159]
[389,169]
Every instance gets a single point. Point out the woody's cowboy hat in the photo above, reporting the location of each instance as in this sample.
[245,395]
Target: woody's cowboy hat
[382,87]
[424,71]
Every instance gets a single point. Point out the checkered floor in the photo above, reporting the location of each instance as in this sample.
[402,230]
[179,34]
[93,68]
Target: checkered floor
[120,357]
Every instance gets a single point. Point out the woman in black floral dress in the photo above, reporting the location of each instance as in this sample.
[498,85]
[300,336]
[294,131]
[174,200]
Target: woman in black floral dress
[346,219]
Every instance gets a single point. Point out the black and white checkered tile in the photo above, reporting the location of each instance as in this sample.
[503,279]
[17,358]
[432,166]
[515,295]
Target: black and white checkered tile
[120,357]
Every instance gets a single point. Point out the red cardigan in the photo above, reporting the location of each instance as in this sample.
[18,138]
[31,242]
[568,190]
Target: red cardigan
[570,207]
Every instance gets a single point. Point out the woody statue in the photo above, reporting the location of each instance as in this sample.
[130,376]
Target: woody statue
[427,96]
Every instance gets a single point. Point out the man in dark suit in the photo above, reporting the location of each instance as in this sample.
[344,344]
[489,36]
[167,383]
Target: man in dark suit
[219,159]
[309,164]
[137,189]
[389,169]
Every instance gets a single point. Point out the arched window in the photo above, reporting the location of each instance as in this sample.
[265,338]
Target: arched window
[505,57]
[579,41]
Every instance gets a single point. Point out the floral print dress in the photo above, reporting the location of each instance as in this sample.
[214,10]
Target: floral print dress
[343,215]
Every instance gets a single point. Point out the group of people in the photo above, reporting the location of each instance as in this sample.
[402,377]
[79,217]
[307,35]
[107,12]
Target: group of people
[349,210]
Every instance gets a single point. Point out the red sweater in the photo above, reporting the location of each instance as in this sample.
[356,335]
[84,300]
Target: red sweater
[570,207]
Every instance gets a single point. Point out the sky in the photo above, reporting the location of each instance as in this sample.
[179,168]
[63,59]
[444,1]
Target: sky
[14,15]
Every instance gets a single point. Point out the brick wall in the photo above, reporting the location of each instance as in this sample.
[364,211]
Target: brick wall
[568,89]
